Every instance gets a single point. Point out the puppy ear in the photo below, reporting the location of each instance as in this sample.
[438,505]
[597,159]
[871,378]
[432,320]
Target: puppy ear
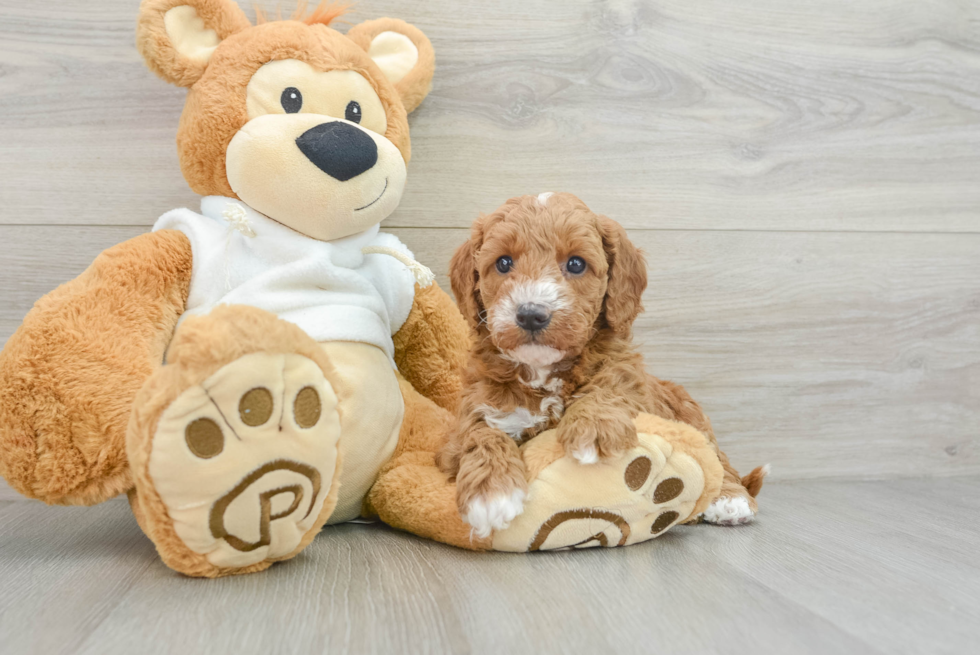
[627,277]
[177,37]
[402,52]
[465,279]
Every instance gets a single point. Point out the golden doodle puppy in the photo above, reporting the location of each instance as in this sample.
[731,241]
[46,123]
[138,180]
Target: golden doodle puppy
[551,290]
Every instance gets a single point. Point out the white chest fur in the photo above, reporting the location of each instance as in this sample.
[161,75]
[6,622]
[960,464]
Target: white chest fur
[515,423]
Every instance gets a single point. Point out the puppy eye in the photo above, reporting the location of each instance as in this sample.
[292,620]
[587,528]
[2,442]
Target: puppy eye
[291,100]
[575,265]
[504,264]
[353,112]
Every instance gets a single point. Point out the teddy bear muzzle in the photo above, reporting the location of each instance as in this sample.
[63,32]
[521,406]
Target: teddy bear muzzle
[324,177]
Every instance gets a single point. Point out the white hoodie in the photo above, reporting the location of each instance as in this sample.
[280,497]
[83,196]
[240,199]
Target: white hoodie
[330,289]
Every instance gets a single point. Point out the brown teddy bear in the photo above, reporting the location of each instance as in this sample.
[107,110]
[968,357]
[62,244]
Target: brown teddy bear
[273,363]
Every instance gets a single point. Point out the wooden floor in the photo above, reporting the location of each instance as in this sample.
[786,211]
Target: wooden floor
[805,179]
[830,567]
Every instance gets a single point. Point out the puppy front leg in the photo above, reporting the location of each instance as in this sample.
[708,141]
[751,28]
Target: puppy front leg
[598,425]
[490,482]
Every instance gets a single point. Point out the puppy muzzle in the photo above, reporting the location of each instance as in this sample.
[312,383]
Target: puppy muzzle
[532,317]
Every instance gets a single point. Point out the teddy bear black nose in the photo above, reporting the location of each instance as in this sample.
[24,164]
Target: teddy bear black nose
[532,317]
[339,149]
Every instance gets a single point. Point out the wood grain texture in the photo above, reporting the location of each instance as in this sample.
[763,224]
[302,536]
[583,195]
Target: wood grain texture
[802,176]
[835,115]
[827,354]
[849,567]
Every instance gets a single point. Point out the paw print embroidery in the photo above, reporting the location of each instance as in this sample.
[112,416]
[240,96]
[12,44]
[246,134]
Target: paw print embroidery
[244,461]
[618,502]
[636,476]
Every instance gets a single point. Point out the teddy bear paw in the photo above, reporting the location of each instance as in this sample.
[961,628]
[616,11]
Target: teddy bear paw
[244,462]
[636,496]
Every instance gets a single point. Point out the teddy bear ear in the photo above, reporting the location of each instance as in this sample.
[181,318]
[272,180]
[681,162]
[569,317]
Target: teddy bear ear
[402,52]
[177,37]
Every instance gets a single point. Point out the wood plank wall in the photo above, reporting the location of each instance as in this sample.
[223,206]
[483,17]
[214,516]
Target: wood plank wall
[804,177]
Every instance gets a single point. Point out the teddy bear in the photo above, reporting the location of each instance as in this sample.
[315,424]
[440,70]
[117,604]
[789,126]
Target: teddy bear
[273,363]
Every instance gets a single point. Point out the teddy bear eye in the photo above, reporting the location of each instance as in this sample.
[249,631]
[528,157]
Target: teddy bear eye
[353,113]
[575,265]
[504,264]
[291,100]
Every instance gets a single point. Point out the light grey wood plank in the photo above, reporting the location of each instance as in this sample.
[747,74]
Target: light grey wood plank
[63,570]
[426,598]
[843,567]
[355,591]
[826,354]
[856,553]
[654,599]
[760,115]
[6,493]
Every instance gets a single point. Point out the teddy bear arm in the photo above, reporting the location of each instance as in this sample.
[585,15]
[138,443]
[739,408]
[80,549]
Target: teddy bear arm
[432,346]
[69,374]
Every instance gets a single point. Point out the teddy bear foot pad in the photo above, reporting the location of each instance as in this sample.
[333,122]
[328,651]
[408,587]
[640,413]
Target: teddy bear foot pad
[244,461]
[644,492]
[239,468]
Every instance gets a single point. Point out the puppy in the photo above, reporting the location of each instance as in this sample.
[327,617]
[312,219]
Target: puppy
[551,291]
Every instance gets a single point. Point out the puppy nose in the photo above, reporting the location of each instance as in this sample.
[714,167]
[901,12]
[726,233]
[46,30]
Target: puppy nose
[533,317]
[339,149]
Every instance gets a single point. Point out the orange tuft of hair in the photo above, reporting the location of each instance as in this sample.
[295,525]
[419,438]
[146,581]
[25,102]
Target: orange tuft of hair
[325,13]
[753,481]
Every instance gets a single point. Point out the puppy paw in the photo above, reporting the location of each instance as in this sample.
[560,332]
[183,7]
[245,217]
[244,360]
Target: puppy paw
[729,511]
[488,513]
[586,455]
[490,481]
[591,438]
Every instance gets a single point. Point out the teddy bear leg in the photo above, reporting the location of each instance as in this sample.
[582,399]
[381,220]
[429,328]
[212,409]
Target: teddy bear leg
[233,444]
[670,477]
[69,374]
[411,493]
